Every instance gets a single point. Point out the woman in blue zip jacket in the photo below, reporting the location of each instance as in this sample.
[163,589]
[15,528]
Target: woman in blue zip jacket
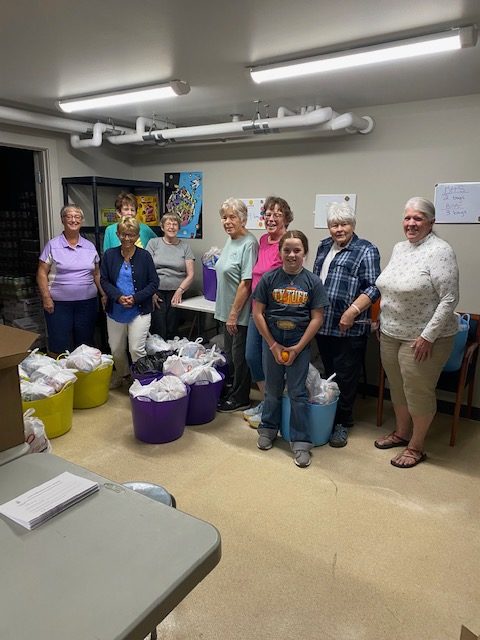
[129,279]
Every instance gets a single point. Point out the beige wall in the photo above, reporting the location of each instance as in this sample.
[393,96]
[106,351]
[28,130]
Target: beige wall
[413,146]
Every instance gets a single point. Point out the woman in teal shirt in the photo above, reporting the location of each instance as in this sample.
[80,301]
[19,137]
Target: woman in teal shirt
[126,206]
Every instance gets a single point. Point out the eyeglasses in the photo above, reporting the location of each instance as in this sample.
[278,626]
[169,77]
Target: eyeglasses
[271,214]
[128,236]
[73,218]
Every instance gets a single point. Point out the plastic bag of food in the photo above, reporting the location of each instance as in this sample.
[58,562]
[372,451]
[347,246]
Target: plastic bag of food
[211,256]
[202,374]
[35,390]
[193,349]
[167,388]
[54,376]
[34,361]
[178,365]
[155,343]
[84,358]
[35,435]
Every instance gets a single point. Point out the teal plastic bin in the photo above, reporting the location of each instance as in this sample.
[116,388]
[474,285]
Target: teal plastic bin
[321,418]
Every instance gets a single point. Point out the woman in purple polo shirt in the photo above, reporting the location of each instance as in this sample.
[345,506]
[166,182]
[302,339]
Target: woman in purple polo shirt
[68,277]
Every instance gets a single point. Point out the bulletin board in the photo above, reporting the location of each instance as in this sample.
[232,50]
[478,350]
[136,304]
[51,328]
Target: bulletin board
[457,203]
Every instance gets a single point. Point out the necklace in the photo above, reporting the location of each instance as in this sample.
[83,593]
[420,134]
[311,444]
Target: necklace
[293,276]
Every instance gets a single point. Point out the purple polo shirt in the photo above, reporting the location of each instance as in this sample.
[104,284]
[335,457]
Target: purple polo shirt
[71,269]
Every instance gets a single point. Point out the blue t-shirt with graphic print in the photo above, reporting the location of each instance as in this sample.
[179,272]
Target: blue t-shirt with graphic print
[290,297]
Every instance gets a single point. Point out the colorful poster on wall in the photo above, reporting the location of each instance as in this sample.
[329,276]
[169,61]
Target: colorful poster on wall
[255,212]
[184,196]
[108,215]
[147,210]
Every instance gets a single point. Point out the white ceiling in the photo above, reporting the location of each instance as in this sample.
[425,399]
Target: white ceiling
[53,49]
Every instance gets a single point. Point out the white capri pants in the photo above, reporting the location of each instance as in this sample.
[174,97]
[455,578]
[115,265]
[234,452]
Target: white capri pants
[136,331]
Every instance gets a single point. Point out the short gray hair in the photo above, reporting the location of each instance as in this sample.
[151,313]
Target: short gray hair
[238,207]
[422,205]
[341,212]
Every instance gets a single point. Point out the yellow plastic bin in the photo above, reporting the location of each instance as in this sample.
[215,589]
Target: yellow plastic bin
[56,412]
[91,388]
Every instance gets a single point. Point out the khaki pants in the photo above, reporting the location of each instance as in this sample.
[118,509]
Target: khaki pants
[412,383]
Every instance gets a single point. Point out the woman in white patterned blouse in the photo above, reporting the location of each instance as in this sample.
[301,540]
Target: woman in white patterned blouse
[419,293]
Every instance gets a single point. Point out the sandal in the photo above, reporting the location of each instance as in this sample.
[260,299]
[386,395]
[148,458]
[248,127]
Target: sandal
[413,455]
[390,441]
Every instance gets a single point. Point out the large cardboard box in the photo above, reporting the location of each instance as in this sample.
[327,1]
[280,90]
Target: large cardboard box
[14,345]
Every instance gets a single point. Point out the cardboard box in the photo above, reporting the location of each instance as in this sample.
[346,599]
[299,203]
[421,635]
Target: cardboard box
[468,635]
[14,345]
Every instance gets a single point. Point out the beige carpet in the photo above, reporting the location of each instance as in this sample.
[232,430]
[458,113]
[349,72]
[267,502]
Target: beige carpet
[349,549]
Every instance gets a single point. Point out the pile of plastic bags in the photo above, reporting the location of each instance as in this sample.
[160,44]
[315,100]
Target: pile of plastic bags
[190,362]
[35,435]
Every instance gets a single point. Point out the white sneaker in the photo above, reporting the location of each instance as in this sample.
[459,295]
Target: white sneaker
[253,411]
[254,421]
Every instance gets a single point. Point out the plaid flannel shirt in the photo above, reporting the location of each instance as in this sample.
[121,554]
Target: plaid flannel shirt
[352,271]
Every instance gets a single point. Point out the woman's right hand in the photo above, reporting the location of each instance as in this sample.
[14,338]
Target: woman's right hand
[48,305]
[157,301]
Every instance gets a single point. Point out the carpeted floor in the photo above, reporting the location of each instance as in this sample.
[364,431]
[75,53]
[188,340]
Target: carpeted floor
[349,549]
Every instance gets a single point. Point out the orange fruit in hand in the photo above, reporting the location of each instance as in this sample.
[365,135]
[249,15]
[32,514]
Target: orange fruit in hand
[285,356]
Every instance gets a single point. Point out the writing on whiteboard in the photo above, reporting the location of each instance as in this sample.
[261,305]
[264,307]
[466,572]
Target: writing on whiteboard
[457,202]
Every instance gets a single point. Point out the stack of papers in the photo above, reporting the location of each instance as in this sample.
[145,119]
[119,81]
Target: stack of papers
[43,502]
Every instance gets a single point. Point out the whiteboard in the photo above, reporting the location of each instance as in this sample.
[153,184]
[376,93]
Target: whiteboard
[323,202]
[457,202]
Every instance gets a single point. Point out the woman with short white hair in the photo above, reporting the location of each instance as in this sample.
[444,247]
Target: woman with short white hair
[348,267]
[232,307]
[419,288]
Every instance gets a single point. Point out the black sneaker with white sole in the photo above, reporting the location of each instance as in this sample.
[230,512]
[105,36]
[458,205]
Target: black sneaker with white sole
[228,406]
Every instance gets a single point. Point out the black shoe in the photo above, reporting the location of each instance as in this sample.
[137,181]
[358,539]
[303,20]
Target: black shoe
[339,437]
[231,405]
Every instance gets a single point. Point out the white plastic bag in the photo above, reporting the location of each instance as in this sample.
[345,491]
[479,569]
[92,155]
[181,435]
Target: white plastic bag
[211,256]
[193,349]
[177,343]
[35,390]
[84,358]
[35,435]
[34,361]
[164,389]
[328,392]
[54,376]
[213,357]
[155,343]
[202,374]
[179,365]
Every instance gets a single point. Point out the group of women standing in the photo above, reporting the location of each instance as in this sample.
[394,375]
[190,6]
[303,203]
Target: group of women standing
[135,260]
[142,278]
[291,305]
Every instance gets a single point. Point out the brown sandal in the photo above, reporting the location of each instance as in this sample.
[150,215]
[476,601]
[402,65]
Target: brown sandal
[390,441]
[412,454]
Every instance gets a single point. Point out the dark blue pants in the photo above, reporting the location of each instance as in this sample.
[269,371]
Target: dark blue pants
[343,356]
[71,324]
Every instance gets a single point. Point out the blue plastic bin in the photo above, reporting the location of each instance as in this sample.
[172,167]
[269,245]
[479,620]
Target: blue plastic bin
[321,418]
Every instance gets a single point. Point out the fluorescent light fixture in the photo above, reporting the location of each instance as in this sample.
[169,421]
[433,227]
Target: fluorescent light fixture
[400,50]
[128,96]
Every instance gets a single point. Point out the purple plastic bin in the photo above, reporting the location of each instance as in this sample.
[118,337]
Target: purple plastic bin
[202,405]
[209,284]
[159,422]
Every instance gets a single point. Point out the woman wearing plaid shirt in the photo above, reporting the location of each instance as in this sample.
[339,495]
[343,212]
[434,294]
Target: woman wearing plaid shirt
[348,267]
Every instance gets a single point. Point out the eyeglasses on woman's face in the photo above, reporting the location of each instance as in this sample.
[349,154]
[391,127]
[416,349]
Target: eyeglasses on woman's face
[273,214]
[73,218]
[128,236]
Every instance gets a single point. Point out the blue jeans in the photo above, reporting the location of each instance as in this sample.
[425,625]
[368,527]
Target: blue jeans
[254,350]
[71,324]
[296,375]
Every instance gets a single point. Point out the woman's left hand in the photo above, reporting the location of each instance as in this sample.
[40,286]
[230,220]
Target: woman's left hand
[347,320]
[292,354]
[422,349]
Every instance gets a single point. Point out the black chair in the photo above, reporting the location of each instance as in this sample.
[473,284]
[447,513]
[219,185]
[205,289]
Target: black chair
[453,381]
